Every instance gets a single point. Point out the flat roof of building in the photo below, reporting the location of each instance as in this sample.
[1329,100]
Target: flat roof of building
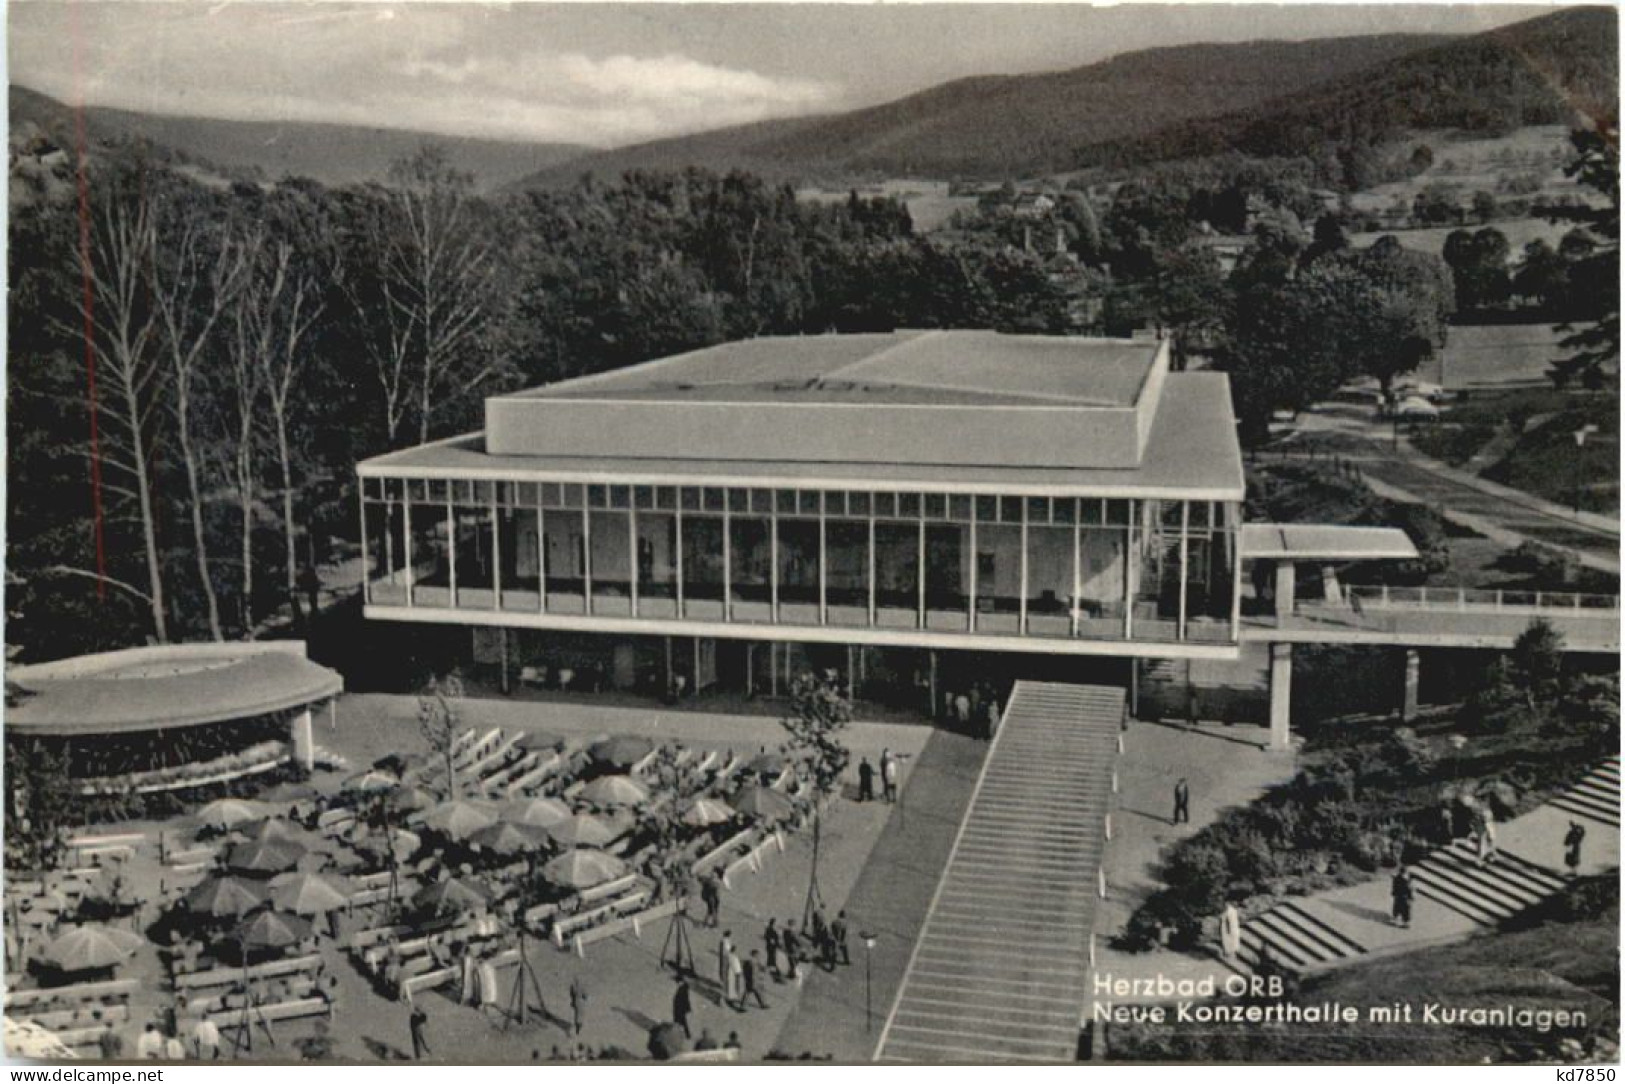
[1324,542]
[163,687]
[925,368]
[1190,451]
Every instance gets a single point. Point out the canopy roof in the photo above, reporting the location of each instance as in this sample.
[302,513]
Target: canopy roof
[158,688]
[1324,542]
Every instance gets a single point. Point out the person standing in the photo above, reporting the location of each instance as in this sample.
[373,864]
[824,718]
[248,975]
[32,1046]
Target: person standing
[1404,893]
[150,1045]
[888,775]
[962,711]
[578,1004]
[770,941]
[682,1006]
[1182,801]
[837,930]
[735,988]
[711,896]
[174,1049]
[752,974]
[792,951]
[418,1024]
[866,781]
[1230,932]
[206,1038]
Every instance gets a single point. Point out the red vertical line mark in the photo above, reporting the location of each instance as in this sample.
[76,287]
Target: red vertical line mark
[87,286]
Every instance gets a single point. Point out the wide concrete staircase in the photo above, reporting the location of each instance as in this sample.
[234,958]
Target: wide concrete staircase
[1596,797]
[999,972]
[1306,935]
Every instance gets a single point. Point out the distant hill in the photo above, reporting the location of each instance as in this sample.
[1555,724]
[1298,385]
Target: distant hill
[1561,68]
[998,126]
[334,154]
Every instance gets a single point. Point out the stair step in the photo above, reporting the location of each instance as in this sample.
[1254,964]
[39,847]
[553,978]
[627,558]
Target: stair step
[1279,929]
[1335,943]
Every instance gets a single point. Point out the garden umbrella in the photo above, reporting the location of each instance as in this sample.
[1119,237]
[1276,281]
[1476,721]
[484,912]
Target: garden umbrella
[583,869]
[309,893]
[230,812]
[452,894]
[264,856]
[371,781]
[504,837]
[762,803]
[271,930]
[291,792]
[666,1041]
[223,897]
[583,829]
[766,764]
[542,812]
[704,812]
[412,796]
[460,818]
[620,752]
[274,829]
[88,948]
[615,790]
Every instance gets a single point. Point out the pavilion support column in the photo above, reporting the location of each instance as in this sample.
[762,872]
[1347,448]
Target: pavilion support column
[851,674]
[1286,588]
[931,710]
[1280,696]
[1134,687]
[750,670]
[303,740]
[971,577]
[670,685]
[451,551]
[541,555]
[496,575]
[586,556]
[366,569]
[406,549]
[1413,683]
[773,668]
[502,645]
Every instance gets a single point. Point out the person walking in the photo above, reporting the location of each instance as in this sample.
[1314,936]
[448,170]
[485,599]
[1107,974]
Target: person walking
[770,941]
[1485,824]
[888,775]
[751,974]
[837,930]
[578,1004]
[1404,893]
[711,896]
[682,1006]
[1182,801]
[1571,847]
[418,1024]
[151,1044]
[1230,932]
[820,935]
[725,949]
[866,781]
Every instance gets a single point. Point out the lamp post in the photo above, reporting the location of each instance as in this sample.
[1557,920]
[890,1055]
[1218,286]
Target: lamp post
[1580,435]
[868,980]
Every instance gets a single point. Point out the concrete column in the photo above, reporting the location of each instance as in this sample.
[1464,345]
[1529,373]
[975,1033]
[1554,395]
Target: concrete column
[1413,682]
[1286,586]
[1281,696]
[302,738]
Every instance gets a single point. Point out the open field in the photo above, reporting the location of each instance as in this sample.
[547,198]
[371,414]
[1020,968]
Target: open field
[1481,164]
[1519,232]
[1485,355]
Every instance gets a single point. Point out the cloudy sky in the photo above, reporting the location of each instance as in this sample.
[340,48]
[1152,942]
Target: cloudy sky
[602,74]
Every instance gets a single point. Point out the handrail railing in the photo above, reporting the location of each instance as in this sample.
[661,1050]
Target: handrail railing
[1469,599]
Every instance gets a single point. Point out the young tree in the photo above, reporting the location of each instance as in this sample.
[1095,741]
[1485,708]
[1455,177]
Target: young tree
[439,712]
[1537,665]
[819,713]
[120,329]
[194,275]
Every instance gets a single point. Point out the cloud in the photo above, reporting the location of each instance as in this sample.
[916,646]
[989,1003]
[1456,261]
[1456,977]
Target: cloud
[454,69]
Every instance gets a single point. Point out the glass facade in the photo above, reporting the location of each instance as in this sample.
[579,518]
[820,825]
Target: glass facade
[1088,568]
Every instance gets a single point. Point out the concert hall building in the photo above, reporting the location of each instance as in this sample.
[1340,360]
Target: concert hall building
[894,506]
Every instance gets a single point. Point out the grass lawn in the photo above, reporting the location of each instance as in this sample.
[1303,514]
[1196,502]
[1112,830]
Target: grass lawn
[1545,461]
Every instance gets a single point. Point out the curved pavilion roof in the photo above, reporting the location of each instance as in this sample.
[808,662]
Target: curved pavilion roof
[159,688]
